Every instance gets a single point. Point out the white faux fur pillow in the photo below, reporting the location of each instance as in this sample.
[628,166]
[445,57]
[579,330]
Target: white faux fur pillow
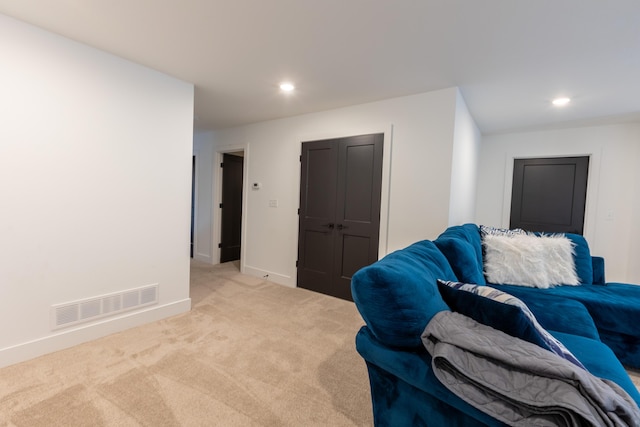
[529,260]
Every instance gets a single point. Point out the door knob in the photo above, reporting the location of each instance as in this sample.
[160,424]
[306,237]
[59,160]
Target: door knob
[342,227]
[329,225]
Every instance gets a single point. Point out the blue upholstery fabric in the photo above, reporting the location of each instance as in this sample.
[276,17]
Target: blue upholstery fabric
[503,312]
[563,315]
[625,346]
[599,360]
[463,243]
[399,404]
[614,307]
[505,317]
[405,392]
[467,270]
[397,295]
[597,263]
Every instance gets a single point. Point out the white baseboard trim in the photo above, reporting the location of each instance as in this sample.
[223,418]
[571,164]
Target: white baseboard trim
[88,332]
[280,279]
[203,258]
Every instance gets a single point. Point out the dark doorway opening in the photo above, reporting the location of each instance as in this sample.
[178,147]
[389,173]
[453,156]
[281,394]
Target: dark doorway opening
[339,217]
[231,206]
[549,194]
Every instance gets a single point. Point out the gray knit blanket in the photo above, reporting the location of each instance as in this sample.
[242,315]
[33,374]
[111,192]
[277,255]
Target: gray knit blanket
[520,383]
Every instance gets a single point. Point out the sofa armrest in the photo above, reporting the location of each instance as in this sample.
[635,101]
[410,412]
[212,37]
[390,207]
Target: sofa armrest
[598,270]
[413,367]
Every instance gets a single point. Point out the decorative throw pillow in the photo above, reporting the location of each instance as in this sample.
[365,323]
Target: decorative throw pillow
[501,311]
[486,230]
[529,260]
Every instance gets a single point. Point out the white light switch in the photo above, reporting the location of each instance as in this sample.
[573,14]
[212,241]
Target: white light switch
[273,203]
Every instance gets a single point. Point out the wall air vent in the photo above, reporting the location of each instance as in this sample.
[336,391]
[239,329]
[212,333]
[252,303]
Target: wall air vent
[75,312]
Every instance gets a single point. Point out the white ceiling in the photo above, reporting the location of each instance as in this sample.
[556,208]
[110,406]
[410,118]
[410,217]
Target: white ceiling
[509,58]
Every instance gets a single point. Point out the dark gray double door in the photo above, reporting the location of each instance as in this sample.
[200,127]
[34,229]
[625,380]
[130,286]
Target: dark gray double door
[339,218]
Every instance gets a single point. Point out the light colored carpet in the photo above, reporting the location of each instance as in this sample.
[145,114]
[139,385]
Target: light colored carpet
[250,353]
[635,377]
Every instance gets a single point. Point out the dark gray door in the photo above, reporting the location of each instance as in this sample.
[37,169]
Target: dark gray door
[339,222]
[549,194]
[231,208]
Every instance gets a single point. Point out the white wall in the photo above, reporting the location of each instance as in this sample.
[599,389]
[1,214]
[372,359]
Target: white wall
[613,199]
[95,160]
[203,245]
[464,171]
[418,132]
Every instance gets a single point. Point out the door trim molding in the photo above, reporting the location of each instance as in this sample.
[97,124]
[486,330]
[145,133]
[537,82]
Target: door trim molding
[216,189]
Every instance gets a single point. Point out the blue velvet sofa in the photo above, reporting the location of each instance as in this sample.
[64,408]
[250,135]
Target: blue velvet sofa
[398,295]
[614,307]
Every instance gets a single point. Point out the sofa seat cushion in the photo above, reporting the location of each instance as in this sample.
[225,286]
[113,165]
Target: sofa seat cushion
[398,295]
[599,360]
[626,347]
[563,315]
[613,307]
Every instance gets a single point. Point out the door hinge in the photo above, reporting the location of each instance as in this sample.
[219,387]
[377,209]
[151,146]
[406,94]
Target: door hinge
[219,245]
[220,205]
[296,263]
[298,211]
[221,165]
[300,158]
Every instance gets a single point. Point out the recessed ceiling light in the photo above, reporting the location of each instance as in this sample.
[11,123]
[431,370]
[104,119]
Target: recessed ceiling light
[287,87]
[559,102]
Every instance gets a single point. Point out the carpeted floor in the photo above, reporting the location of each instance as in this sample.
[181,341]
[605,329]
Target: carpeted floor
[635,377]
[250,353]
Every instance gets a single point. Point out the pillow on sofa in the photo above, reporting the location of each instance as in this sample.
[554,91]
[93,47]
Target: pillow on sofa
[486,230]
[501,311]
[529,260]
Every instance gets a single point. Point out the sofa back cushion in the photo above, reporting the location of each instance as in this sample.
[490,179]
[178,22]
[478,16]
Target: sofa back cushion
[462,246]
[582,258]
[398,295]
